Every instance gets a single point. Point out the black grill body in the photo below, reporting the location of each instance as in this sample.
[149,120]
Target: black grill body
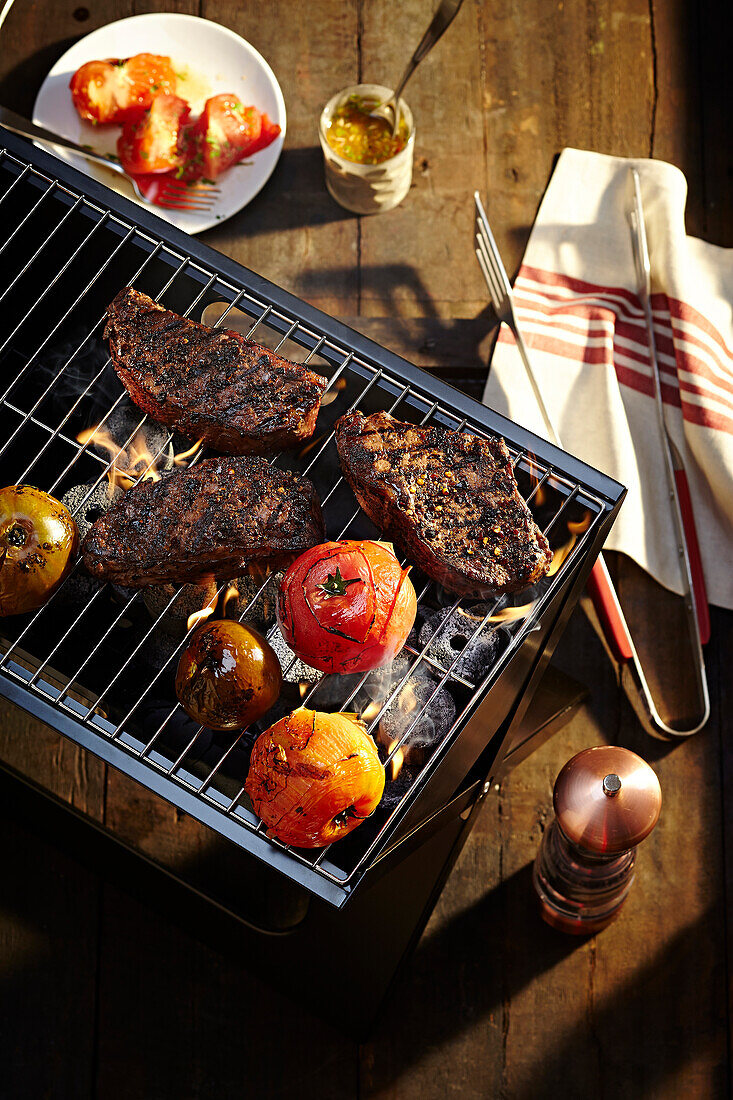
[89,663]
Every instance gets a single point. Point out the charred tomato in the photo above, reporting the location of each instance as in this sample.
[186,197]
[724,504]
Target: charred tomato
[313,777]
[38,540]
[346,606]
[228,675]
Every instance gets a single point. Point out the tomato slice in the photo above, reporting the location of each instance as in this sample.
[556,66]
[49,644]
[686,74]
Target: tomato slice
[226,132]
[268,132]
[117,90]
[152,142]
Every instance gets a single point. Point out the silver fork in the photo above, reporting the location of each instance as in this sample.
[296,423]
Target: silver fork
[167,192]
[502,300]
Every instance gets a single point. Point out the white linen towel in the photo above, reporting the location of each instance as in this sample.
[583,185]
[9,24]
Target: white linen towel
[578,310]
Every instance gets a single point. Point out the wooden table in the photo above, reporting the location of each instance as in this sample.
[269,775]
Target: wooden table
[102,998]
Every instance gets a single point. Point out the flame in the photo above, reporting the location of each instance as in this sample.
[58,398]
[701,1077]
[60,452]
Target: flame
[201,616]
[313,443]
[136,463]
[180,458]
[231,593]
[303,688]
[511,614]
[397,760]
[332,394]
[370,712]
[575,528]
[534,479]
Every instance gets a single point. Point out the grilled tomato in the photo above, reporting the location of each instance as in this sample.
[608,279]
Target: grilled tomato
[225,132]
[117,90]
[314,777]
[346,606]
[153,141]
[38,539]
[228,675]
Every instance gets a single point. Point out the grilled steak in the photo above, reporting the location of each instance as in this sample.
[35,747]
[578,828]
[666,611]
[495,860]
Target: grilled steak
[449,499]
[212,519]
[208,383]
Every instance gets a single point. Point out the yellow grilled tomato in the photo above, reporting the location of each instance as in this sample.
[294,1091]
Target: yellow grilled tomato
[38,540]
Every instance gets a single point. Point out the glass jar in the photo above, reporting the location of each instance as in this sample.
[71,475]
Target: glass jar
[367,188]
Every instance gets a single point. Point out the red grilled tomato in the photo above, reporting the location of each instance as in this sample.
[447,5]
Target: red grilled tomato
[228,675]
[153,142]
[346,606]
[314,777]
[115,90]
[226,132]
[38,539]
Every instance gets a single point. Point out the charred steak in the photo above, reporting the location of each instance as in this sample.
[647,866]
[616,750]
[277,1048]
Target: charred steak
[210,384]
[449,499]
[213,519]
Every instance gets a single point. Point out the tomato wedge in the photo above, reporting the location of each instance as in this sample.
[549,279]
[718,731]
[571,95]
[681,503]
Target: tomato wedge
[226,132]
[117,90]
[153,142]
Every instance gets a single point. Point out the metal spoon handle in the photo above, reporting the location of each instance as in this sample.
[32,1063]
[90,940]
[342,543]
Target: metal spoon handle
[442,19]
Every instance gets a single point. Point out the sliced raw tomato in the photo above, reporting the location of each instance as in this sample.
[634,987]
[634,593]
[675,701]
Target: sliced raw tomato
[268,132]
[153,142]
[226,132]
[116,90]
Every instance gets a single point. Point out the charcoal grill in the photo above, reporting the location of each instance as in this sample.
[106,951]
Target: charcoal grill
[89,662]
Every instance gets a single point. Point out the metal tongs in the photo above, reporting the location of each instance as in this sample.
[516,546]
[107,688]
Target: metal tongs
[599,585]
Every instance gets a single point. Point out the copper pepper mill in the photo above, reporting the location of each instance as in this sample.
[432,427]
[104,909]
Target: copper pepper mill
[606,801]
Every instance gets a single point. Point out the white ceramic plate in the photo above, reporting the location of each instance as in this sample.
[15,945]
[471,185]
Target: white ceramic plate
[211,59]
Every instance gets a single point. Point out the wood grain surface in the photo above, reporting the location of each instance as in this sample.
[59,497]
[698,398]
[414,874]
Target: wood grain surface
[102,996]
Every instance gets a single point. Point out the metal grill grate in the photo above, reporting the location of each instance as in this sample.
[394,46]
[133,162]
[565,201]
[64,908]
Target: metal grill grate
[85,653]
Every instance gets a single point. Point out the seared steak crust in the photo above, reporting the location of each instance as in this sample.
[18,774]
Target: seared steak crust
[210,384]
[449,499]
[213,519]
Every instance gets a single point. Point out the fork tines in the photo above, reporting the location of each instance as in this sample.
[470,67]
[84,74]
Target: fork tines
[182,196]
[178,195]
[491,265]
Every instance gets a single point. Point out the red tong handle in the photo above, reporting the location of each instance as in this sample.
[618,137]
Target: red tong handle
[603,594]
[693,552]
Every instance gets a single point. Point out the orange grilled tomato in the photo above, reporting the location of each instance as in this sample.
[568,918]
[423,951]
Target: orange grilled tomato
[38,540]
[314,777]
[228,675]
[346,606]
[153,141]
[116,90]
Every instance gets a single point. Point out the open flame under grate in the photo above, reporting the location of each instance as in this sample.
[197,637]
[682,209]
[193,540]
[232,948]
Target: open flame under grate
[101,659]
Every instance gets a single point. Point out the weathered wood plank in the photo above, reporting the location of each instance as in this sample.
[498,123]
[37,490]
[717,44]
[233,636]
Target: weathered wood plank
[34,39]
[418,258]
[293,232]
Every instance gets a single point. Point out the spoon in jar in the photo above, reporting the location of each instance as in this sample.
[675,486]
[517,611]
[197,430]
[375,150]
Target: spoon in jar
[444,16]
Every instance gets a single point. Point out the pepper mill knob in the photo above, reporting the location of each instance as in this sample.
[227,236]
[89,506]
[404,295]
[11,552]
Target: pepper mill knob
[607,800]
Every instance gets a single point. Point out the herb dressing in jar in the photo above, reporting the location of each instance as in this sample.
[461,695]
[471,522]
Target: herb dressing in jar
[368,170]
